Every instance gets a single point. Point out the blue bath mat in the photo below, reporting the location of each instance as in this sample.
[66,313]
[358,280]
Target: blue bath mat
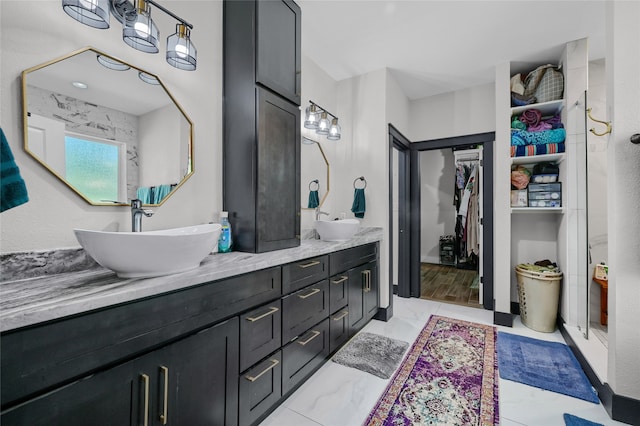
[543,364]
[571,420]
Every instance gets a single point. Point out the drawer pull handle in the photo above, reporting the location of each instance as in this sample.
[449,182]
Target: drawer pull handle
[341,280]
[315,334]
[344,314]
[274,362]
[165,373]
[145,414]
[311,293]
[312,263]
[272,310]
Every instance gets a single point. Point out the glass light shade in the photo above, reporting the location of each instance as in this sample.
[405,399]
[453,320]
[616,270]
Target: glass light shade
[334,131]
[94,13]
[141,32]
[323,124]
[148,78]
[112,64]
[311,117]
[181,52]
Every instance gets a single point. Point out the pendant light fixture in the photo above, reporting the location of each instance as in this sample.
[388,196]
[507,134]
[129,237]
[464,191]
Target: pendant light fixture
[94,13]
[139,30]
[317,118]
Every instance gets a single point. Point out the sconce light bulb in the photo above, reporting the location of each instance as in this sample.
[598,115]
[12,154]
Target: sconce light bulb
[142,28]
[181,49]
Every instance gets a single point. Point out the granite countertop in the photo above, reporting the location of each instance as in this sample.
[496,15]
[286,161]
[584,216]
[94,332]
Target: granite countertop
[31,301]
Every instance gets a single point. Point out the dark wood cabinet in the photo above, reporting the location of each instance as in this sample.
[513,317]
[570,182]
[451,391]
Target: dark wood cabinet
[225,352]
[262,123]
[192,381]
[278,47]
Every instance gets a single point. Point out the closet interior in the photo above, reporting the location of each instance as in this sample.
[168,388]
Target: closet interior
[451,225]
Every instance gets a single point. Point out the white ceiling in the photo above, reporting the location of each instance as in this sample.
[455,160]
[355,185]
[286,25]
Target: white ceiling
[433,47]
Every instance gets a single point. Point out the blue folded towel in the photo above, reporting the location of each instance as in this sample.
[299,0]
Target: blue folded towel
[571,420]
[13,191]
[314,199]
[144,194]
[359,206]
[161,192]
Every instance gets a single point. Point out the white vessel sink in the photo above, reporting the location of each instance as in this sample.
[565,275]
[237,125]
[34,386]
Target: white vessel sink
[337,230]
[150,253]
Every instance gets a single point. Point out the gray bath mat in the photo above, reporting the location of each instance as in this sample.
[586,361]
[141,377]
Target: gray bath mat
[372,353]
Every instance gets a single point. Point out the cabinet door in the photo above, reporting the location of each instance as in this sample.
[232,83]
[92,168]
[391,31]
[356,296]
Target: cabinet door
[203,374]
[278,180]
[357,281]
[278,60]
[113,397]
[193,381]
[371,286]
[363,295]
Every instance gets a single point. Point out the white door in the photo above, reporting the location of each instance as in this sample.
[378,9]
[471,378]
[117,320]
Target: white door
[45,140]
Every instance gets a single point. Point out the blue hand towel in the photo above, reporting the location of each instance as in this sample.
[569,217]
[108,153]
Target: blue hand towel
[144,194]
[359,206]
[314,199]
[161,192]
[13,191]
[571,420]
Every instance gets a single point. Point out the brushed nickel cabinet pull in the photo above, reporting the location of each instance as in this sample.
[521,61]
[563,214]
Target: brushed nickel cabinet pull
[341,280]
[315,334]
[272,310]
[344,314]
[163,416]
[367,281]
[145,414]
[312,263]
[274,362]
[311,293]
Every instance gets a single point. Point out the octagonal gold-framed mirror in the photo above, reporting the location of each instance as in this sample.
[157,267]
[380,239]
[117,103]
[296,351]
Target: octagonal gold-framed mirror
[111,131]
[314,174]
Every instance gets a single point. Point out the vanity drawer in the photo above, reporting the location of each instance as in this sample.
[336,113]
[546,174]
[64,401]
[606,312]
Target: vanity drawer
[260,333]
[301,357]
[338,292]
[346,259]
[260,388]
[302,309]
[300,274]
[338,329]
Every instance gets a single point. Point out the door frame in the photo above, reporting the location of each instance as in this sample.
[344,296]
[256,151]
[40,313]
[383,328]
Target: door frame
[411,287]
[399,142]
[487,140]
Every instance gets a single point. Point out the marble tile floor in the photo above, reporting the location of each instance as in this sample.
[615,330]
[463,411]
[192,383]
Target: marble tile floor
[341,396]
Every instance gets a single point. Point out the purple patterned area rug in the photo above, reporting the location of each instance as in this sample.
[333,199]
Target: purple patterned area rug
[448,377]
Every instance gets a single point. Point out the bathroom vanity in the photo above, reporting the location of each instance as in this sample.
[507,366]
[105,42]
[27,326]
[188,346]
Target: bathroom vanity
[223,344]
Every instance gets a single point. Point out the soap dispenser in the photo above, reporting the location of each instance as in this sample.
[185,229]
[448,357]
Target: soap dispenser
[224,242]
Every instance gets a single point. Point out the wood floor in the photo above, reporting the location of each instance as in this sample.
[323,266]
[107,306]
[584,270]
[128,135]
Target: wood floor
[449,284]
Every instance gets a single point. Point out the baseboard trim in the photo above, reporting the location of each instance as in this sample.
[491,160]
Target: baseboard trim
[384,314]
[619,407]
[503,318]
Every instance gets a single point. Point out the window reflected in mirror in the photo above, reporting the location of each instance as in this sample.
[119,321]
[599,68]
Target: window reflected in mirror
[105,132]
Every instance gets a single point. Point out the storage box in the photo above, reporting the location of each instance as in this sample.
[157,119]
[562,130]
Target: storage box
[519,198]
[545,194]
[545,178]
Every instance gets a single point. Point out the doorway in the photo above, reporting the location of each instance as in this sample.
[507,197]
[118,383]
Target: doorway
[405,245]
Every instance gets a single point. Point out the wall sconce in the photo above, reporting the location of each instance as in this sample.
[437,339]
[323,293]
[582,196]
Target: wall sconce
[139,31]
[317,118]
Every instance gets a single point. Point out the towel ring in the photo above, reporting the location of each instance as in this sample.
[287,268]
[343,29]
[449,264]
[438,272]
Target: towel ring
[317,184]
[362,179]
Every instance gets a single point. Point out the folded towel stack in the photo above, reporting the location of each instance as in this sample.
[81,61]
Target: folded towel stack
[13,191]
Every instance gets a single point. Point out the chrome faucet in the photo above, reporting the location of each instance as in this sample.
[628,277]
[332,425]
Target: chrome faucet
[136,215]
[320,212]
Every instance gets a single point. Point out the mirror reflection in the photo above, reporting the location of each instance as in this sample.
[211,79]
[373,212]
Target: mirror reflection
[109,130]
[314,174]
